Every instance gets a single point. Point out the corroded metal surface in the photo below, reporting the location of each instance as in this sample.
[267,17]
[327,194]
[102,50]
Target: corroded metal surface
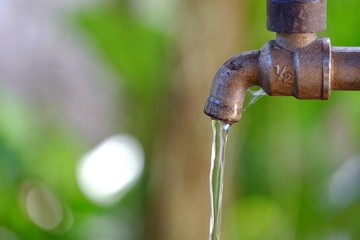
[346,68]
[297,72]
[230,84]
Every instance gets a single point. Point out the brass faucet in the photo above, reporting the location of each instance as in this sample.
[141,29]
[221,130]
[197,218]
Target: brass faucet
[297,63]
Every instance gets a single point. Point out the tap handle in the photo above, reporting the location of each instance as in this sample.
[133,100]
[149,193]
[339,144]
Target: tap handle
[296,16]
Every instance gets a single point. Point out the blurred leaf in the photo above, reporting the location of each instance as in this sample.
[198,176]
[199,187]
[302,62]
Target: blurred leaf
[256,218]
[137,52]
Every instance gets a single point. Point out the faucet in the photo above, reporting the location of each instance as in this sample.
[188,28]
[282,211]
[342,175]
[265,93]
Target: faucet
[297,63]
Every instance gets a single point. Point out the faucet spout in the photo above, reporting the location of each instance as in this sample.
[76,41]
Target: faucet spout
[296,64]
[230,84]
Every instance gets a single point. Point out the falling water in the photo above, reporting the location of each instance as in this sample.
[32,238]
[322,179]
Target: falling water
[220,131]
[252,96]
[220,134]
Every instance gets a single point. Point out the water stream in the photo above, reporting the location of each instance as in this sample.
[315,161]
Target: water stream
[220,134]
[220,131]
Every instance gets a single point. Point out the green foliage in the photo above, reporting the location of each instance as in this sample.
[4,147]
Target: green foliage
[137,52]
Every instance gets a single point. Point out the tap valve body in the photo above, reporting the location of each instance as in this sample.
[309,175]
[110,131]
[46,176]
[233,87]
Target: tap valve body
[302,72]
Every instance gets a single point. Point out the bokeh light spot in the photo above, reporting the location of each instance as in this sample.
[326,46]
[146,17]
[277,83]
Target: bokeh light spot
[108,171]
[42,206]
[6,234]
[343,184]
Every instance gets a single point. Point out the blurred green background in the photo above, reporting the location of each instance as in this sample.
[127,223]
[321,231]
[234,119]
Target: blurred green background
[102,134]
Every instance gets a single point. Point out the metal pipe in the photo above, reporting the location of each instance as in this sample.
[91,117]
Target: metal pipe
[346,68]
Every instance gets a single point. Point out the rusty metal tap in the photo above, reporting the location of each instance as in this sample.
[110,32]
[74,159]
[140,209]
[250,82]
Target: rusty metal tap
[297,63]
